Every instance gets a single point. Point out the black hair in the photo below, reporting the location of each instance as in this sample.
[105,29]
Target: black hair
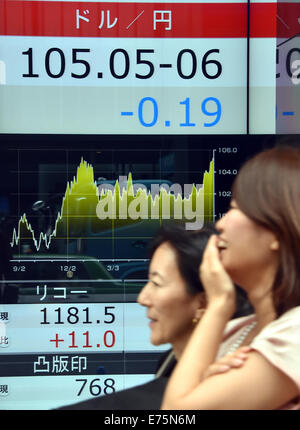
[188,246]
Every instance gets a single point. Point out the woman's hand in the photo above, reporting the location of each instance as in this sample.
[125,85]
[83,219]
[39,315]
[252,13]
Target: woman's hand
[232,361]
[217,284]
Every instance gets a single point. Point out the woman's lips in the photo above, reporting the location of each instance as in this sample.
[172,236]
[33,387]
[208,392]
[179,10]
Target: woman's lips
[222,244]
[152,321]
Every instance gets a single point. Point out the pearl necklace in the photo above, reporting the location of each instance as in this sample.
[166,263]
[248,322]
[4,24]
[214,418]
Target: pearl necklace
[242,337]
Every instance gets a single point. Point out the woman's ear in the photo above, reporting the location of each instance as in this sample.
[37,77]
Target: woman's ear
[202,300]
[201,305]
[198,315]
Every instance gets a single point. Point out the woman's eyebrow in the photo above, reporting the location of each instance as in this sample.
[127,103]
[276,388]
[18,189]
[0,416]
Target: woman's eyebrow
[155,273]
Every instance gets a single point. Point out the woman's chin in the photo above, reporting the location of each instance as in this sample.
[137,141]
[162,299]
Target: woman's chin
[156,340]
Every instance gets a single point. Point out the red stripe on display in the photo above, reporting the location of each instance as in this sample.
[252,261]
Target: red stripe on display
[139,20]
[263,19]
[288,20]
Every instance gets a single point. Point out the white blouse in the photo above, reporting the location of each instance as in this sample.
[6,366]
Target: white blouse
[278,342]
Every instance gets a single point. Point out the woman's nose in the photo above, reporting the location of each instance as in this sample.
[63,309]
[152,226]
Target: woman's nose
[143,297]
[220,224]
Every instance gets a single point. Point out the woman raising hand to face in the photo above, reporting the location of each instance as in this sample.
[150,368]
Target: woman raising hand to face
[219,288]
[257,248]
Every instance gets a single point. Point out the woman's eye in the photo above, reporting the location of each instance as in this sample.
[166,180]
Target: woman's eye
[156,284]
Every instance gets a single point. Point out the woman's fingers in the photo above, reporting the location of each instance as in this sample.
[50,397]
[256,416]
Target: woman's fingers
[228,362]
[216,281]
[211,254]
[215,369]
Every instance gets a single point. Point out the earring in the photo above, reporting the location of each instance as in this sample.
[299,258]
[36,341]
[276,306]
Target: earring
[200,313]
[275,245]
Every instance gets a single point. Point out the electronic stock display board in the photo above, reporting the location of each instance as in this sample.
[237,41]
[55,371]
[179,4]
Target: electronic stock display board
[114,118]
